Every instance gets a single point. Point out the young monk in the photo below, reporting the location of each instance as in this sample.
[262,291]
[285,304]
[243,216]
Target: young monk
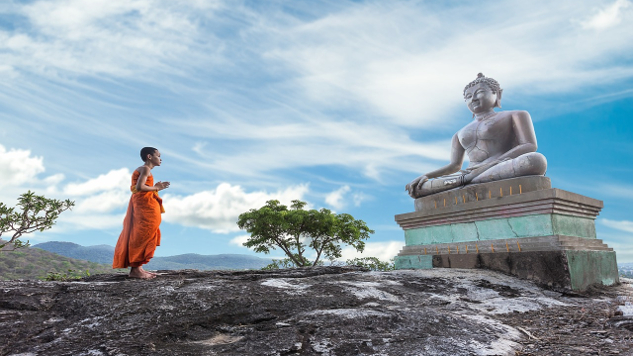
[141,234]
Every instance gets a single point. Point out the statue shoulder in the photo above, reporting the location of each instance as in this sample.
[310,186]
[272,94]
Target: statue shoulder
[520,115]
[513,113]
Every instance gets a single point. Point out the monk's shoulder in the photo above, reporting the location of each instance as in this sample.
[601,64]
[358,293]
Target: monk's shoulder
[143,170]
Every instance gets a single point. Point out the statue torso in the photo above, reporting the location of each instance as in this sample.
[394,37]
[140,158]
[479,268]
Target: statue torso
[489,137]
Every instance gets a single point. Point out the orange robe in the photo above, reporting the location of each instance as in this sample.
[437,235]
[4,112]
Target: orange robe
[140,234]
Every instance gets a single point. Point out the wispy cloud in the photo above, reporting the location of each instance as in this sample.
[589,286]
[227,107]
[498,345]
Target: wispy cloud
[622,225]
[610,16]
[617,190]
[339,86]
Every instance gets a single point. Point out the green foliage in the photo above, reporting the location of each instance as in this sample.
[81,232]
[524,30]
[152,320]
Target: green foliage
[371,263]
[285,263]
[37,214]
[294,229]
[280,264]
[66,276]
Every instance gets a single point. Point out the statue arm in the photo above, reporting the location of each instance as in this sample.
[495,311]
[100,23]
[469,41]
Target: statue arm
[524,132]
[457,159]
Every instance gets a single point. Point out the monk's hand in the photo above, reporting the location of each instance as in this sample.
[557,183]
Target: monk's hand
[162,185]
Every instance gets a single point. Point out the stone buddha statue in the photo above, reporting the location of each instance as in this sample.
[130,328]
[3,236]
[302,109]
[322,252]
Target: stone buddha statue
[499,144]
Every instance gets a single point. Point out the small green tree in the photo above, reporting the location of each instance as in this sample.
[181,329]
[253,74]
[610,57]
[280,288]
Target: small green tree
[37,213]
[294,229]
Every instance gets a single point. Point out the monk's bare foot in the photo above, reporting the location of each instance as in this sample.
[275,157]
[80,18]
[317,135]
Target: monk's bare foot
[148,272]
[137,272]
[142,276]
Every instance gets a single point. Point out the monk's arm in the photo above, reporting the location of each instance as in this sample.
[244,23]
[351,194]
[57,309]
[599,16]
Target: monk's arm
[142,178]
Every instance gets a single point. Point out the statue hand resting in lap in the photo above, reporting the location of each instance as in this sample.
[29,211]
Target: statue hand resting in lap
[500,145]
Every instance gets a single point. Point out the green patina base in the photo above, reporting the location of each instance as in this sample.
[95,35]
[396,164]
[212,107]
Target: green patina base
[414,262]
[592,267]
[502,228]
[571,269]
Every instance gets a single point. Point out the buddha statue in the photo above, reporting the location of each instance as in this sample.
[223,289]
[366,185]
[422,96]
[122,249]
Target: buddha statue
[500,145]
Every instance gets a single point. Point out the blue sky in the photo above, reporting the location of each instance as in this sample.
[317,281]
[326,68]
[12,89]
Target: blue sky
[337,103]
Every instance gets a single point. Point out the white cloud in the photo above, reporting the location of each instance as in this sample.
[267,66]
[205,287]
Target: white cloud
[384,251]
[97,201]
[407,62]
[217,210]
[607,17]
[18,167]
[623,225]
[336,198]
[119,179]
[239,240]
[390,67]
[105,202]
[359,198]
[268,146]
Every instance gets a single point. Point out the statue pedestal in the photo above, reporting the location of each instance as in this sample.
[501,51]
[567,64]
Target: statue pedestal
[519,226]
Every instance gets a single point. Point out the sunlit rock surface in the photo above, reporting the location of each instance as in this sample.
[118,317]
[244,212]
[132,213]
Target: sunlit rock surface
[317,311]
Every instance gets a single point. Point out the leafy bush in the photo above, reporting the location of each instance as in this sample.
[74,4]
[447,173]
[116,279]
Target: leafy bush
[38,214]
[372,263]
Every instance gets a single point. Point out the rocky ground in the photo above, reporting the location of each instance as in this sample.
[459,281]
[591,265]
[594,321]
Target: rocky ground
[319,311]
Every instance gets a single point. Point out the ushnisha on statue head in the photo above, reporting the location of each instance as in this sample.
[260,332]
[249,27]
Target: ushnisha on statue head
[500,145]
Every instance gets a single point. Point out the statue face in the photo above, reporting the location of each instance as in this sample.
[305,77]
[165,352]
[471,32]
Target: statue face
[480,98]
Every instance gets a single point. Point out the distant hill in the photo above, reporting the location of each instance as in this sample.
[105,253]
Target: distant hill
[208,262]
[97,253]
[103,254]
[35,263]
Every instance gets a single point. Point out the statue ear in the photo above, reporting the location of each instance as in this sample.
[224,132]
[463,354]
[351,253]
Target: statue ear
[498,102]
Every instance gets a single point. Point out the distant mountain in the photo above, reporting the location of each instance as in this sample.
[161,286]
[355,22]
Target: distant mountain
[208,262]
[35,263]
[97,253]
[104,253]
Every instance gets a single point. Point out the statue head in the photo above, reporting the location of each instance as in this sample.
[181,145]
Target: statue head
[491,84]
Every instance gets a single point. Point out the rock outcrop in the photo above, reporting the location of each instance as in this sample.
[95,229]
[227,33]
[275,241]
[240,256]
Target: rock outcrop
[317,311]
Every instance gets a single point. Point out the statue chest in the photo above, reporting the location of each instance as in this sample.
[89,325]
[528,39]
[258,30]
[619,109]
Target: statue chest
[495,131]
